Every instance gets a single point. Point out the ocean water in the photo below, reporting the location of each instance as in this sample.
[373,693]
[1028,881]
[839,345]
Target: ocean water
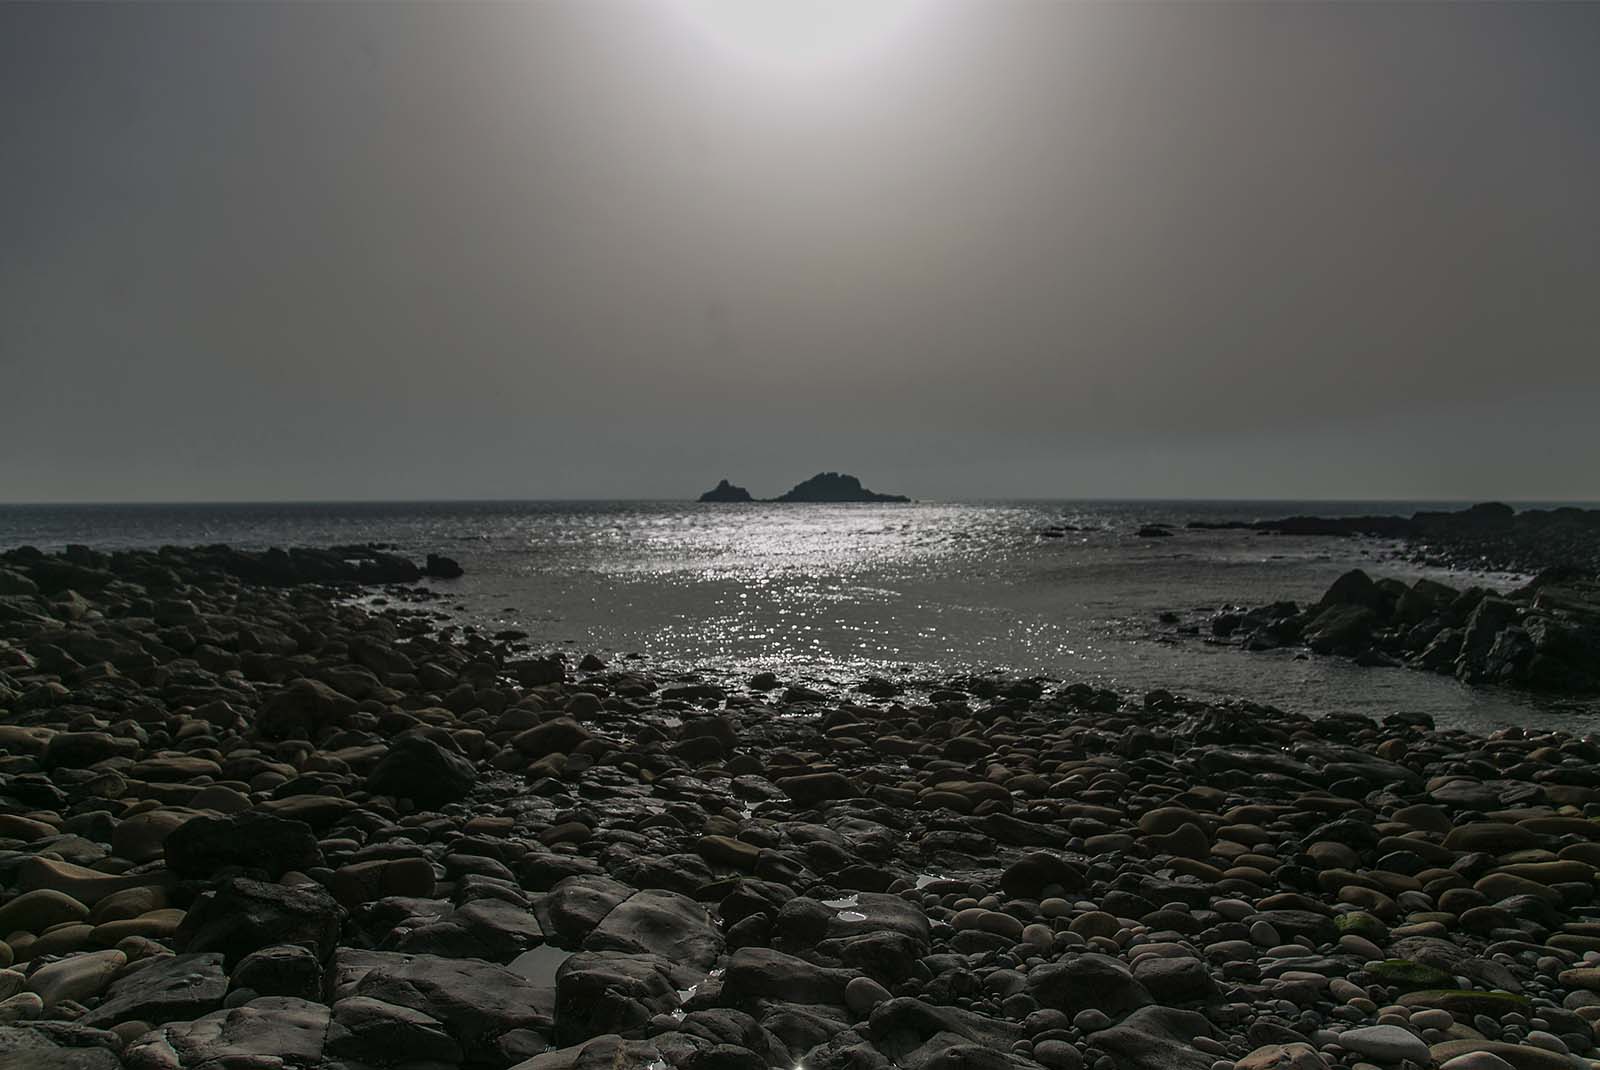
[831,593]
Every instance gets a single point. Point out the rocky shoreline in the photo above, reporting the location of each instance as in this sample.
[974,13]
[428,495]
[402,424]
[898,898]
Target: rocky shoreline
[248,823]
[1490,536]
[1543,636]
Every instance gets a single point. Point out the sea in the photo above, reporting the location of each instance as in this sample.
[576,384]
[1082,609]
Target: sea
[827,595]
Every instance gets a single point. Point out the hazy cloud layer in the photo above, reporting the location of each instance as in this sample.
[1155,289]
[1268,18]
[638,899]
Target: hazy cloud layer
[566,249]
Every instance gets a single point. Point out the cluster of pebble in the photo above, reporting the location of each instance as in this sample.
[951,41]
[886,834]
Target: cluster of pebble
[245,823]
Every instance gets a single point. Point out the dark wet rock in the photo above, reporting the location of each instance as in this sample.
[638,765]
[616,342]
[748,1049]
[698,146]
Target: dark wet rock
[242,915]
[302,710]
[762,973]
[1544,636]
[1040,873]
[477,1003]
[535,672]
[78,750]
[373,1032]
[28,1048]
[1087,981]
[1175,980]
[163,989]
[1340,629]
[271,1031]
[615,992]
[253,841]
[1157,1038]
[562,735]
[489,929]
[576,905]
[281,970]
[599,1053]
[905,1028]
[662,923]
[442,568]
[814,789]
[419,769]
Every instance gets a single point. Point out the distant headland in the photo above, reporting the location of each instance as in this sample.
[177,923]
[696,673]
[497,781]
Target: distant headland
[822,487]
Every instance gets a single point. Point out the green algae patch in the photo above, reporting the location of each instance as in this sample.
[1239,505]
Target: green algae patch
[1410,976]
[1464,1003]
[1362,924]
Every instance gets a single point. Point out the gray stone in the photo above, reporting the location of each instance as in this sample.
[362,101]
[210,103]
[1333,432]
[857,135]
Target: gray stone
[163,989]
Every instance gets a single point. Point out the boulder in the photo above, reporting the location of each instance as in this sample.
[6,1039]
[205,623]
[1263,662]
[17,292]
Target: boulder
[1341,629]
[280,970]
[418,769]
[76,977]
[491,929]
[372,1032]
[203,846]
[762,973]
[1030,875]
[560,735]
[662,923]
[440,567]
[476,1002]
[303,710]
[1157,1038]
[266,1032]
[23,1048]
[163,989]
[615,992]
[243,915]
[1085,982]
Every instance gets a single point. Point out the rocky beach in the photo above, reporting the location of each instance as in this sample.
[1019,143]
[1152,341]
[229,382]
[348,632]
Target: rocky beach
[277,810]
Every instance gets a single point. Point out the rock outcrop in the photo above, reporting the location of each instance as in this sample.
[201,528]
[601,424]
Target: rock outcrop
[835,487]
[1541,637]
[726,492]
[1490,535]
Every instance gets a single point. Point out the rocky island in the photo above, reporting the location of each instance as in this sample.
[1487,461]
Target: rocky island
[725,492]
[822,487]
[835,487]
[246,821]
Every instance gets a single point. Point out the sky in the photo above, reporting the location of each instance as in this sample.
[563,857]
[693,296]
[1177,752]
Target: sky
[960,248]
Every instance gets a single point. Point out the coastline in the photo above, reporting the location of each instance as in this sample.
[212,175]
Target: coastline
[386,837]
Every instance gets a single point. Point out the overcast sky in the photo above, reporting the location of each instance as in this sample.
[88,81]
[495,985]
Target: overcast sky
[980,248]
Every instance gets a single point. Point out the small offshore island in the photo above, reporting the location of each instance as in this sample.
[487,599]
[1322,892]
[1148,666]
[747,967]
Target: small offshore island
[822,487]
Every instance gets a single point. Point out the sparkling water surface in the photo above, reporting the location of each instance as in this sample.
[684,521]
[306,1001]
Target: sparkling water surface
[831,593]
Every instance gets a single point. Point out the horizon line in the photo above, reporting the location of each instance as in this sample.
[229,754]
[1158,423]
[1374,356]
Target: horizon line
[171,502]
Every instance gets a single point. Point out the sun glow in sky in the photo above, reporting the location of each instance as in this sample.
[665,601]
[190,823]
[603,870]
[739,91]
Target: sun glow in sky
[798,36]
